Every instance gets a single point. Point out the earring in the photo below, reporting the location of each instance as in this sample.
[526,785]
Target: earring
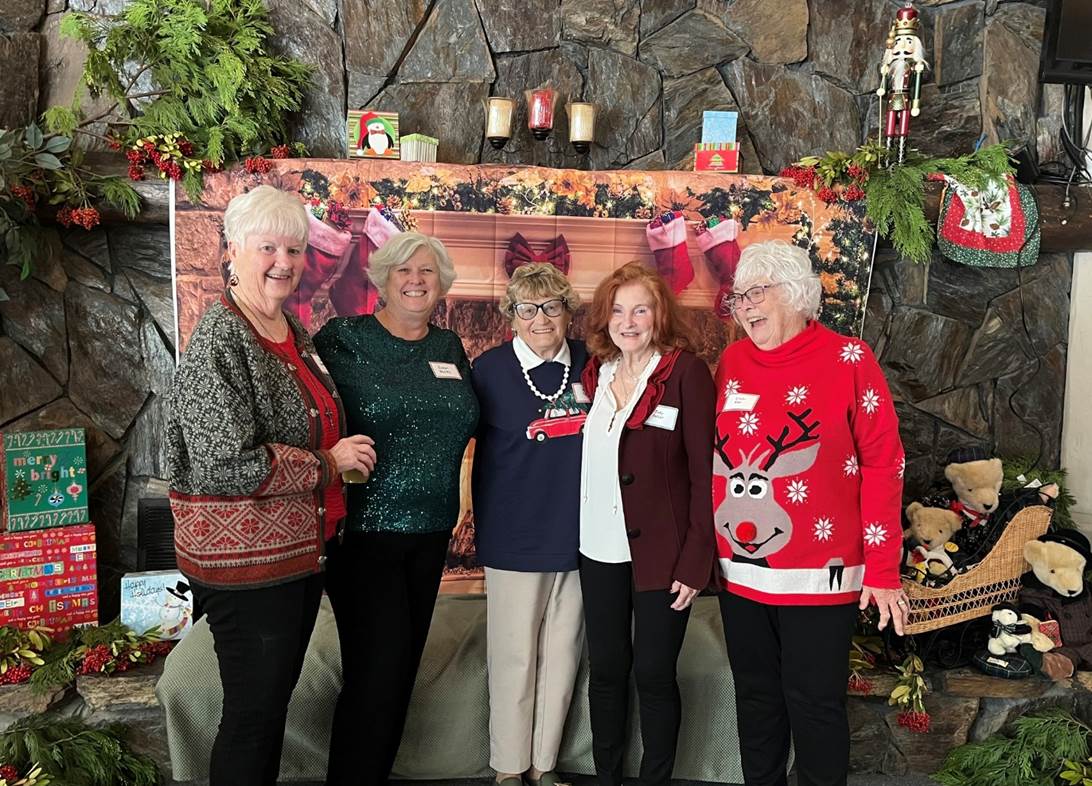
[233,280]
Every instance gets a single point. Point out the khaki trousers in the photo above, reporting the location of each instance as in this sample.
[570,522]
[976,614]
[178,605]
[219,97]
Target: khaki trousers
[534,642]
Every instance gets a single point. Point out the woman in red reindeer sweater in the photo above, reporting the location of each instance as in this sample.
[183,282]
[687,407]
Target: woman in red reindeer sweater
[807,491]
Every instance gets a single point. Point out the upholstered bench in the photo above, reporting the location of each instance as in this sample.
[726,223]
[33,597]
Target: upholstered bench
[447,732]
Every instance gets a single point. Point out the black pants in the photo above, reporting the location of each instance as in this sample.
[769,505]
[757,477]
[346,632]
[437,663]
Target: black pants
[383,588]
[639,630]
[260,636]
[790,665]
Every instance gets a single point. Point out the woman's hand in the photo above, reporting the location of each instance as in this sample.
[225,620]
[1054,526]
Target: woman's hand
[686,595]
[892,604]
[355,452]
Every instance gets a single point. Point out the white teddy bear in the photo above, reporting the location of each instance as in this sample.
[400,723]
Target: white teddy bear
[1009,630]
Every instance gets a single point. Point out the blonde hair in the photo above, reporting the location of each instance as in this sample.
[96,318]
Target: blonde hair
[399,249]
[265,210]
[538,280]
[777,262]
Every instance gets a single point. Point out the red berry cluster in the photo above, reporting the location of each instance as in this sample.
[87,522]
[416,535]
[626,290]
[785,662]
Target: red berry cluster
[171,154]
[853,194]
[15,675]
[86,217]
[857,172]
[257,165]
[802,176]
[281,151]
[156,649]
[9,773]
[858,684]
[97,659]
[917,722]
[25,193]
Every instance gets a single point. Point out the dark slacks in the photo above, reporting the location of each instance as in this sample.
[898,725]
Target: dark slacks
[639,630]
[260,637]
[382,587]
[790,665]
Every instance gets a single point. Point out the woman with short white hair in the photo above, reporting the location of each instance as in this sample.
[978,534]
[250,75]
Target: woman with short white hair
[406,384]
[808,470]
[255,446]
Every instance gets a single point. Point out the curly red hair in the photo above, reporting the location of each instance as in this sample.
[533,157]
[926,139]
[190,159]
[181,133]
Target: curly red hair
[670,327]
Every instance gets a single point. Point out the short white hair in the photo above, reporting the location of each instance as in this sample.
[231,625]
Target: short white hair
[399,249]
[778,262]
[265,210]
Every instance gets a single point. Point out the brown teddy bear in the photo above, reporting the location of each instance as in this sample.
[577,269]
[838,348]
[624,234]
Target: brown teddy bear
[976,480]
[927,543]
[1055,588]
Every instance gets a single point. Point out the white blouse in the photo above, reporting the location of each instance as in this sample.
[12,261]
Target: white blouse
[602,521]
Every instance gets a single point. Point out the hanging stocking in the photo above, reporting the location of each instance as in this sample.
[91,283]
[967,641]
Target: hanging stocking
[667,239]
[327,247]
[717,240]
[354,294]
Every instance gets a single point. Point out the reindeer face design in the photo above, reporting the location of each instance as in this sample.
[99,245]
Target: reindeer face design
[749,517]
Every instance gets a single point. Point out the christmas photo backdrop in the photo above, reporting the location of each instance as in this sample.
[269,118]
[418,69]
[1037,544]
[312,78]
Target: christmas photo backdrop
[689,226]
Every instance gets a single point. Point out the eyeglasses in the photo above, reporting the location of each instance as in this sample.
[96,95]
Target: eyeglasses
[754,295]
[528,311]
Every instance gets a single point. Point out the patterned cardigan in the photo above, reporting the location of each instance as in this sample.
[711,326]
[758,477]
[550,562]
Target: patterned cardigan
[247,477]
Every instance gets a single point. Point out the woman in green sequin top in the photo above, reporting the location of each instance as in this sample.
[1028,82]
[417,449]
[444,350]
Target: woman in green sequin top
[406,384]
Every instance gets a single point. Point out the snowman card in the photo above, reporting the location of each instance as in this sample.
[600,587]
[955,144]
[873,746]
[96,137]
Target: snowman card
[373,134]
[157,599]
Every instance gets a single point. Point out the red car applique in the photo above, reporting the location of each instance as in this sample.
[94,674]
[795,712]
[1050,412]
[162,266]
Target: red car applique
[549,428]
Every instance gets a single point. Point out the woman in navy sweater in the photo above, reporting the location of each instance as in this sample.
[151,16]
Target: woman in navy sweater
[527,520]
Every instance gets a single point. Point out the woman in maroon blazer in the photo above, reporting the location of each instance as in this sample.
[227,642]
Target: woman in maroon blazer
[646,518]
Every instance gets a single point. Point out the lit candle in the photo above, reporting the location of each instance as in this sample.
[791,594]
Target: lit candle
[581,125]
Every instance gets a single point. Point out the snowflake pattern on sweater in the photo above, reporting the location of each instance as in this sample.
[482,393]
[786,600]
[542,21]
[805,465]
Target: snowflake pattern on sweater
[807,471]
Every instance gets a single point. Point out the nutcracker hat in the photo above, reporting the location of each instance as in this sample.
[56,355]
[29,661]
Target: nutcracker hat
[907,20]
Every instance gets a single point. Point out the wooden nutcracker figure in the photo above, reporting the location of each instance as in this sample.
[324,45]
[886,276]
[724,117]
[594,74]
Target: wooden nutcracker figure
[900,77]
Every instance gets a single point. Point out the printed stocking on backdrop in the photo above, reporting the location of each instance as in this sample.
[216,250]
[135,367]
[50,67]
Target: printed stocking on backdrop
[667,239]
[354,294]
[328,250]
[717,238]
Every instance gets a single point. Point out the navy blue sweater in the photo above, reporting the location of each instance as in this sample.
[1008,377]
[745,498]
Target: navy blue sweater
[527,463]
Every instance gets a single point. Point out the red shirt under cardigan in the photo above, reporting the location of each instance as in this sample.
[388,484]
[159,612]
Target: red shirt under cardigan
[326,409]
[666,475]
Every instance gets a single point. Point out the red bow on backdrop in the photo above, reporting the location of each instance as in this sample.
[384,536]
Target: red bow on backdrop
[520,253]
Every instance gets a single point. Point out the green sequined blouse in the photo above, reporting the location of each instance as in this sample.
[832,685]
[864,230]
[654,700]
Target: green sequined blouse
[397,392]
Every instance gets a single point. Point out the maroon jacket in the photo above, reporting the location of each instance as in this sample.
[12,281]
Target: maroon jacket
[666,476]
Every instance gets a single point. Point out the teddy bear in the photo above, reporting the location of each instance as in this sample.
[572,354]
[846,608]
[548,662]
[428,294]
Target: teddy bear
[1055,586]
[927,543]
[1009,631]
[976,482]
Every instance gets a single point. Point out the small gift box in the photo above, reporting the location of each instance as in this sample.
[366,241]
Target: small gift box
[418,147]
[716,157]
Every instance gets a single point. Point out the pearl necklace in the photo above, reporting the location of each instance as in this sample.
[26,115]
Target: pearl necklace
[539,393]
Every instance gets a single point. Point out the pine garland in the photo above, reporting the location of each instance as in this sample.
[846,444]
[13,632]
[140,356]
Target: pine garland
[895,193]
[1034,755]
[206,61]
[72,753]
[1015,466]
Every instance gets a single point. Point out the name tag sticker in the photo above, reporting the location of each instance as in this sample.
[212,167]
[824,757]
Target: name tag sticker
[579,394]
[740,402]
[445,370]
[663,417]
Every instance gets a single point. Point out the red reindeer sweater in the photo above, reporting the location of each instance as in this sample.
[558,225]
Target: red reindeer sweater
[807,471]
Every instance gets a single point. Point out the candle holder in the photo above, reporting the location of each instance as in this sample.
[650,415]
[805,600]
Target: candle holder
[581,125]
[540,111]
[498,120]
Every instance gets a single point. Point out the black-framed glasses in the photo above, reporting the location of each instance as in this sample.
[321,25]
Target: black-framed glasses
[754,295]
[528,311]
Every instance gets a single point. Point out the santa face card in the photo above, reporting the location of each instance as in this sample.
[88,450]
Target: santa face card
[373,134]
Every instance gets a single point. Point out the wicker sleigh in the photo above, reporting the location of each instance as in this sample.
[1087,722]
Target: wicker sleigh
[996,579]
